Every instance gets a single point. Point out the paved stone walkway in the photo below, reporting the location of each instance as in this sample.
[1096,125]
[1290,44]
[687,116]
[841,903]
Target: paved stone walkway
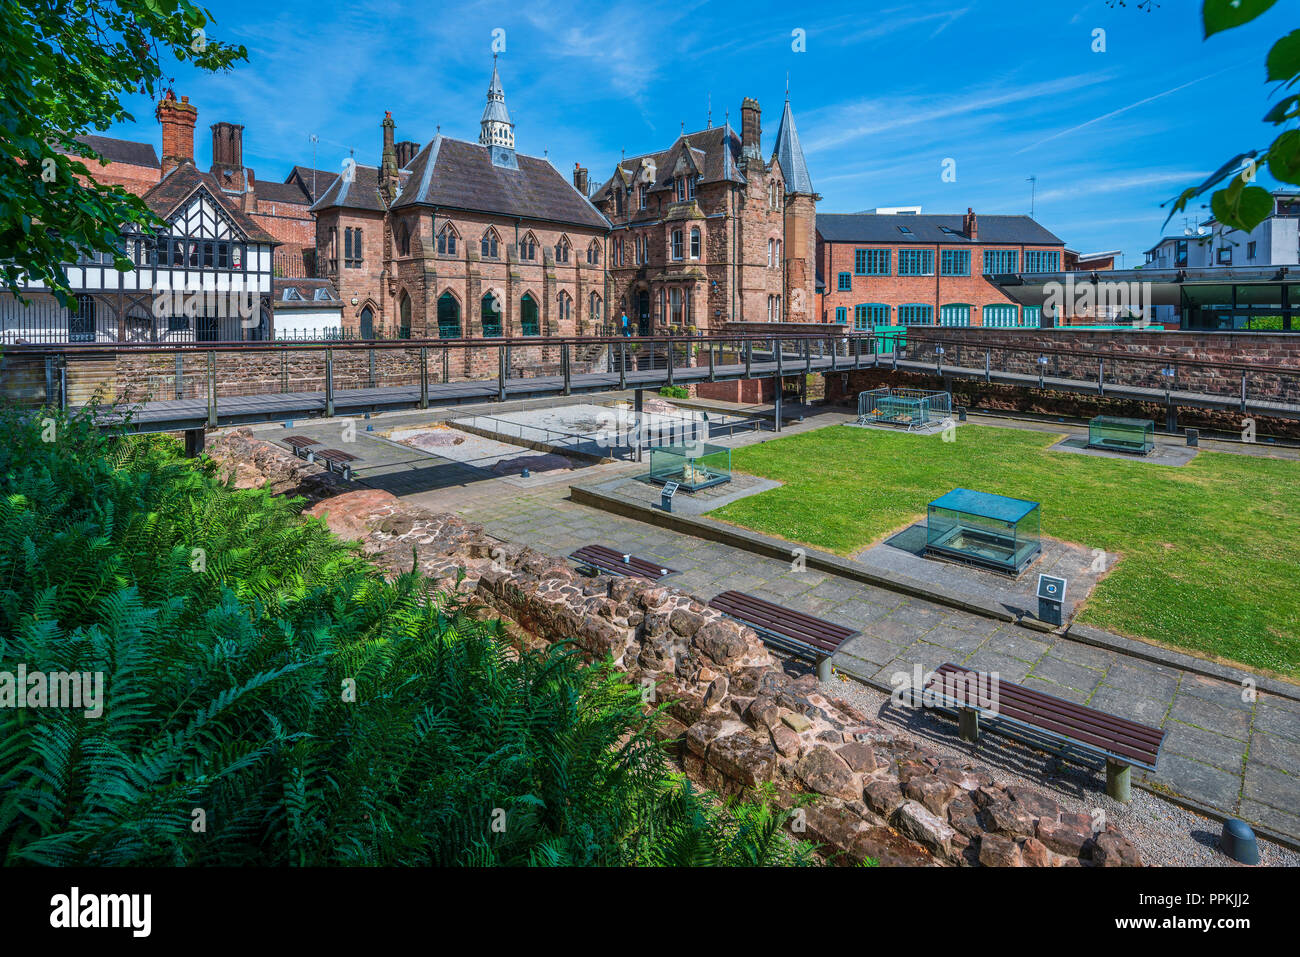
[1238,756]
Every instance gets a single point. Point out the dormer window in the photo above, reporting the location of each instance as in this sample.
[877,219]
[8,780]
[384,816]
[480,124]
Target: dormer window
[291,295]
[323,295]
[681,188]
[690,187]
[642,192]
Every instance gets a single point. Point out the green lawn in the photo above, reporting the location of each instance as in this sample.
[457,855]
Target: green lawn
[1210,551]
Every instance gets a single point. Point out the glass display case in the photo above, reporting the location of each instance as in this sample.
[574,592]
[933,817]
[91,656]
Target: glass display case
[692,466]
[910,408]
[991,531]
[1137,436]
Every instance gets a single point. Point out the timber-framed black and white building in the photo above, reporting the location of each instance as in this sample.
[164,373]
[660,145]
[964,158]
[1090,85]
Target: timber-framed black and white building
[205,277]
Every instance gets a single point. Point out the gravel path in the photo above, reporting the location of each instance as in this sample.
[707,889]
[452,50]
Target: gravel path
[1167,834]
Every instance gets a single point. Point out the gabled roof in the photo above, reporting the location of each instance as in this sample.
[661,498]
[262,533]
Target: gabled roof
[361,193]
[303,175]
[789,154]
[181,183]
[714,152]
[121,151]
[281,192]
[884,228]
[461,175]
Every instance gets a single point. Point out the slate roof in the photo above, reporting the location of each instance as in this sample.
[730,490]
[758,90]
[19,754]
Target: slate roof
[459,174]
[121,151]
[307,291]
[178,185]
[789,154]
[281,193]
[302,174]
[361,193]
[884,228]
[716,151]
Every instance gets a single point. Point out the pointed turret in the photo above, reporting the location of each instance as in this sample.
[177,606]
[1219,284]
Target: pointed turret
[790,155]
[496,128]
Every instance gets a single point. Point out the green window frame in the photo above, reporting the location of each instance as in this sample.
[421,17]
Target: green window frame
[871,262]
[528,324]
[845,282]
[916,262]
[841,315]
[915,314]
[954,314]
[1031,316]
[868,314]
[954,262]
[1042,260]
[1004,315]
[998,261]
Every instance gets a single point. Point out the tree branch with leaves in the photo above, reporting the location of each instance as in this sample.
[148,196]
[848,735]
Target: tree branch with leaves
[65,68]
[1241,205]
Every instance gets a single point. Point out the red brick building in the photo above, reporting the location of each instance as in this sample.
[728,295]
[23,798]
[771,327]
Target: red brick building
[912,269]
[463,239]
[706,232]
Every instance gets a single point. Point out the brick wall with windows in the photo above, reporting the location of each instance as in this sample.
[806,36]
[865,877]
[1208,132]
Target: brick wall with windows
[946,279]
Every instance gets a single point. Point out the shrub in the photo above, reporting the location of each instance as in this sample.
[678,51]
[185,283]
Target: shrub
[271,699]
[675,392]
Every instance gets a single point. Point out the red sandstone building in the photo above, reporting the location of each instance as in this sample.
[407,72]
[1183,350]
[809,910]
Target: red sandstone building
[706,232]
[911,269]
[462,239]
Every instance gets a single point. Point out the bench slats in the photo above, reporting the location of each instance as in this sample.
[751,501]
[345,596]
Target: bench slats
[765,617]
[297,442]
[600,556]
[1111,735]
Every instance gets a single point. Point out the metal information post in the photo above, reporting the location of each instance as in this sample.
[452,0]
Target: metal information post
[1051,596]
[666,500]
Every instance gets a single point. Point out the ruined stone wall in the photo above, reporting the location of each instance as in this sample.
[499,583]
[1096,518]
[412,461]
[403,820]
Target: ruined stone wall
[735,720]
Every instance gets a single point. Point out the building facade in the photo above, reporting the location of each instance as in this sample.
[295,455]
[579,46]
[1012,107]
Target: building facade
[707,232]
[883,269]
[463,240]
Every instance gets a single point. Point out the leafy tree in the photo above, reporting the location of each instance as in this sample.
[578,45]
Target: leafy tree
[65,66]
[1240,205]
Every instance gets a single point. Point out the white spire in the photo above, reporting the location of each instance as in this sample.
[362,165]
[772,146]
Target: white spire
[496,128]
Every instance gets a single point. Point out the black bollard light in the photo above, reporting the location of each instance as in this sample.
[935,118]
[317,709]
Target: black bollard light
[1238,842]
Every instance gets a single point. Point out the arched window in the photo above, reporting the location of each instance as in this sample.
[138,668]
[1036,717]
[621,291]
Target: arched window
[564,304]
[594,307]
[491,307]
[402,239]
[562,250]
[367,323]
[695,242]
[593,253]
[448,317]
[404,316]
[528,247]
[490,247]
[447,240]
[528,323]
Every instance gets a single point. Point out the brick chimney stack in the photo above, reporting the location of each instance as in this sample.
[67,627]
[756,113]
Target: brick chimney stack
[406,151]
[970,225]
[580,179]
[177,122]
[751,129]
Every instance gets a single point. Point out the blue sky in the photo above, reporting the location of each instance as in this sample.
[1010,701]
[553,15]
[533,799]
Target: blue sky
[883,94]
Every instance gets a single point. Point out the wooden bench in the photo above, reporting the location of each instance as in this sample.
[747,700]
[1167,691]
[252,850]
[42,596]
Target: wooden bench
[1124,744]
[337,460]
[301,445]
[786,628]
[609,560]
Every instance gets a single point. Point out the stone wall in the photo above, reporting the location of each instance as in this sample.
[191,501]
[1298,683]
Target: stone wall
[734,718]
